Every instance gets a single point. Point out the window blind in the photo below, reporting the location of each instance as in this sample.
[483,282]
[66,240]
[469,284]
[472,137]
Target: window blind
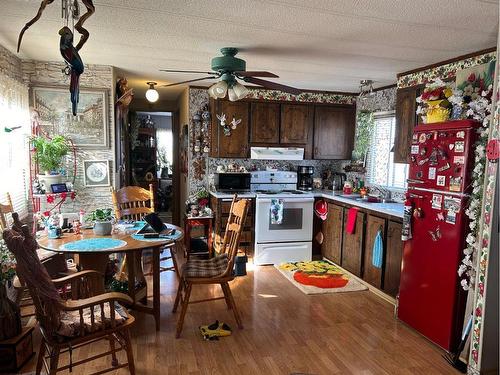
[14,136]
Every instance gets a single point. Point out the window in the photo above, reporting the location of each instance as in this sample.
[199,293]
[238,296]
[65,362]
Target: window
[14,131]
[381,169]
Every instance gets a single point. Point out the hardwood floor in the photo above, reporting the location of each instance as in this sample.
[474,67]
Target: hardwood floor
[285,332]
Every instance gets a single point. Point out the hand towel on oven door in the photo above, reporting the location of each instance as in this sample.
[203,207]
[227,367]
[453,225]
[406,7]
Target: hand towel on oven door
[276,211]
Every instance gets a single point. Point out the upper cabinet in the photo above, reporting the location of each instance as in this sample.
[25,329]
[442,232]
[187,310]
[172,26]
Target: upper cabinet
[265,123]
[334,129]
[406,100]
[234,145]
[296,124]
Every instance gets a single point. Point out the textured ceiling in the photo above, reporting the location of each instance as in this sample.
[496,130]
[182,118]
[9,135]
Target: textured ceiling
[314,44]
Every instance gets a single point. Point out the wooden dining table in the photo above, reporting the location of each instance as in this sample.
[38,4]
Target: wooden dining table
[97,259]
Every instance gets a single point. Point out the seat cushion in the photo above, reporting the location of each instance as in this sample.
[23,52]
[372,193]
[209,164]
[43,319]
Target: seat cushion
[200,268]
[71,325]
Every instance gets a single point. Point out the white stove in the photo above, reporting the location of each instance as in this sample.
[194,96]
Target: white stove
[290,239]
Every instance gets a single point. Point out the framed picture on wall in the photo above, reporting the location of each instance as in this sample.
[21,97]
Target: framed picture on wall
[88,129]
[96,173]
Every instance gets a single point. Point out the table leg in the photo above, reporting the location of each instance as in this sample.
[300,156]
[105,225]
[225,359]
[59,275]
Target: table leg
[156,286]
[96,262]
[131,274]
[209,239]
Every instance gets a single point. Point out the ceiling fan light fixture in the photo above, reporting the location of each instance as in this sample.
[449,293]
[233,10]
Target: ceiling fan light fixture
[151,94]
[231,94]
[240,91]
[218,90]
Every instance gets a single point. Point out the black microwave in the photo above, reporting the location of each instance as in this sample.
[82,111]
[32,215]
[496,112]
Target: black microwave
[232,181]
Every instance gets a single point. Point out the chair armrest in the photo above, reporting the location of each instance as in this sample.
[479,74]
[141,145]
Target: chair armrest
[72,305]
[75,276]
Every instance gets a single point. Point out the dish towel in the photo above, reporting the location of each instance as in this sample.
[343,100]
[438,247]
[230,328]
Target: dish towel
[351,220]
[276,211]
[378,250]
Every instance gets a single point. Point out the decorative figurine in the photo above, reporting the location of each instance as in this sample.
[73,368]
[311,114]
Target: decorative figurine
[74,65]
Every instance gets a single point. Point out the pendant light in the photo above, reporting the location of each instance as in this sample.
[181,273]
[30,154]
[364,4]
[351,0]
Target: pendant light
[152,95]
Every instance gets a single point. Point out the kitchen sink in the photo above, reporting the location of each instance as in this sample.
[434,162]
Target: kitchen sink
[369,199]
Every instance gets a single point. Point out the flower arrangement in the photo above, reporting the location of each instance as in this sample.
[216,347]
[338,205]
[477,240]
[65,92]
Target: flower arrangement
[197,204]
[433,104]
[7,264]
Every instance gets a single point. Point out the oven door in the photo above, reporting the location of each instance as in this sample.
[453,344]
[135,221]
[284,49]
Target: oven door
[296,225]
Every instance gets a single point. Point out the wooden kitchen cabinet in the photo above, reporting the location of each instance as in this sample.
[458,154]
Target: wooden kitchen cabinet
[331,248]
[334,128]
[406,118]
[372,274]
[393,258]
[296,124]
[352,246]
[235,145]
[265,122]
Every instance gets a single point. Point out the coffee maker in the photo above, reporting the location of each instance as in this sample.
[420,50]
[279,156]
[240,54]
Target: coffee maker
[305,177]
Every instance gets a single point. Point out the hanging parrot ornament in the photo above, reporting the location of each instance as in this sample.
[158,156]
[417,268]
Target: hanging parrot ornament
[74,64]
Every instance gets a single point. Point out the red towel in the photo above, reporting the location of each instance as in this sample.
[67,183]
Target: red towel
[351,220]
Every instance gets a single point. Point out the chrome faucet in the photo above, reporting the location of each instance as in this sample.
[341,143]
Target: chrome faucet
[384,194]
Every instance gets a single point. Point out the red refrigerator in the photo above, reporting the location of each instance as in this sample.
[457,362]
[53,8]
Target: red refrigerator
[431,299]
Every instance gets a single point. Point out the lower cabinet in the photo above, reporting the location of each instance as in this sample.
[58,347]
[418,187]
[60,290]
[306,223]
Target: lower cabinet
[331,248]
[354,252]
[393,258]
[352,248]
[372,274]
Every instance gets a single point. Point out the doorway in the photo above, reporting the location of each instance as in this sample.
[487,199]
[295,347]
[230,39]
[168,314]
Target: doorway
[153,156]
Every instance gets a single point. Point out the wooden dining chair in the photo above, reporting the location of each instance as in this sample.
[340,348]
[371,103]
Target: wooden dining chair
[73,318]
[133,203]
[5,211]
[216,270]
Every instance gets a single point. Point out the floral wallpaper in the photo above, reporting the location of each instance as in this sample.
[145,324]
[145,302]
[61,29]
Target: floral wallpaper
[485,232]
[443,71]
[309,97]
[201,167]
[379,101]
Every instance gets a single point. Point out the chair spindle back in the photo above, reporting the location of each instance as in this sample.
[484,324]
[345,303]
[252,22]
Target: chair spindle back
[133,202]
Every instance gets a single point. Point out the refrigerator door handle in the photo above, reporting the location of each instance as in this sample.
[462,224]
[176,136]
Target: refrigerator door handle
[416,196]
[413,181]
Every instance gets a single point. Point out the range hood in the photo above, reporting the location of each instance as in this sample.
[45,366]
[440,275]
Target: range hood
[277,153]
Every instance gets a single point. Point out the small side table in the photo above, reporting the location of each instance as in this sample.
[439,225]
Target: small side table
[195,221]
[16,351]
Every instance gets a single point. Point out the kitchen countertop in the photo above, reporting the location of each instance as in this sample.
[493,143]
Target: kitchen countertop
[392,209]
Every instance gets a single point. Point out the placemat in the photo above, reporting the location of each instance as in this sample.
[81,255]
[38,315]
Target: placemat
[93,244]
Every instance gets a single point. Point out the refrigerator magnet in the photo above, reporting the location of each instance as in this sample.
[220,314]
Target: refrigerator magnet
[461,134]
[423,161]
[437,201]
[459,160]
[422,138]
[451,203]
[444,167]
[415,138]
[455,183]
[432,173]
[441,180]
[451,146]
[451,217]
[415,149]
[439,217]
[459,146]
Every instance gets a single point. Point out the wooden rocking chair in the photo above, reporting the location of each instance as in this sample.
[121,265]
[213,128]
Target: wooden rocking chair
[216,270]
[69,320]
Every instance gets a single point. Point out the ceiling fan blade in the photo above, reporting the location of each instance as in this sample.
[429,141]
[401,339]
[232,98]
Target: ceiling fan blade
[247,73]
[273,85]
[186,71]
[188,81]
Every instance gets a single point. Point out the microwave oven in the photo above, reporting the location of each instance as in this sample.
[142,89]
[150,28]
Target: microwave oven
[232,181]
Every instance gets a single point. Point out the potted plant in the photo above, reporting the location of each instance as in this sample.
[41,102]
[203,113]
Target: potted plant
[102,219]
[10,317]
[49,155]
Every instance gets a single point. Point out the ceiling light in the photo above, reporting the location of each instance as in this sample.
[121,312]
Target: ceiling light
[365,88]
[218,90]
[152,95]
[240,90]
[232,95]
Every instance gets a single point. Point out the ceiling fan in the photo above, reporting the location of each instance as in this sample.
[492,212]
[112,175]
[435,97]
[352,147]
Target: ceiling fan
[229,69]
